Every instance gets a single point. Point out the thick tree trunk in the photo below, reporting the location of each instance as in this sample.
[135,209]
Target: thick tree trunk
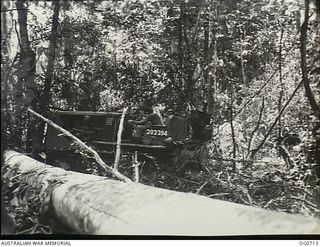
[68,46]
[4,32]
[212,89]
[5,61]
[96,205]
[27,58]
[26,89]
[304,66]
[51,53]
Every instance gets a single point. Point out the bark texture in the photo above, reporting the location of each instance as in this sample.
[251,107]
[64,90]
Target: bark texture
[27,87]
[51,52]
[97,205]
[304,65]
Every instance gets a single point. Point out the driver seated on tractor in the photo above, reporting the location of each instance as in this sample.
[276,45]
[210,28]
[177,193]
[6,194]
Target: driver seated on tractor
[151,118]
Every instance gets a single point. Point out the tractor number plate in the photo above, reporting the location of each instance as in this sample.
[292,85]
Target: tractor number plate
[157,132]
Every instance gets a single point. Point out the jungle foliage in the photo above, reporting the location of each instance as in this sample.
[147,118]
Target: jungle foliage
[253,65]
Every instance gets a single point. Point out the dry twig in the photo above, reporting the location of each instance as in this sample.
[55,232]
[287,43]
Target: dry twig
[118,151]
[310,204]
[268,203]
[136,165]
[202,186]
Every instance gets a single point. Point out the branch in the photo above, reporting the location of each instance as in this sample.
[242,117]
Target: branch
[254,152]
[18,35]
[202,186]
[256,93]
[82,145]
[9,10]
[136,165]
[268,203]
[194,38]
[118,151]
[218,194]
[305,201]
[235,160]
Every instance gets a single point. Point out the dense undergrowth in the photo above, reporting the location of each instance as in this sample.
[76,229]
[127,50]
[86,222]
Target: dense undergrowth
[31,212]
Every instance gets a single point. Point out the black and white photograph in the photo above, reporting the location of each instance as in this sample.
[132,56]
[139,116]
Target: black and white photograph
[160,119]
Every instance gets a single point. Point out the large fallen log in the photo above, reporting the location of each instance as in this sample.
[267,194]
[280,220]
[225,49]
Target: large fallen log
[97,205]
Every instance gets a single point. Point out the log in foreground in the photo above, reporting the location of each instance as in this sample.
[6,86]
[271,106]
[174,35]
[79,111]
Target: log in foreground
[97,205]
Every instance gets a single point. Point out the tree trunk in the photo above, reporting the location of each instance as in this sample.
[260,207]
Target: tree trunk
[243,73]
[303,50]
[234,143]
[46,95]
[51,53]
[213,55]
[4,32]
[244,82]
[96,205]
[281,83]
[28,57]
[212,77]
[68,45]
[180,45]
[5,61]
[206,56]
[26,89]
